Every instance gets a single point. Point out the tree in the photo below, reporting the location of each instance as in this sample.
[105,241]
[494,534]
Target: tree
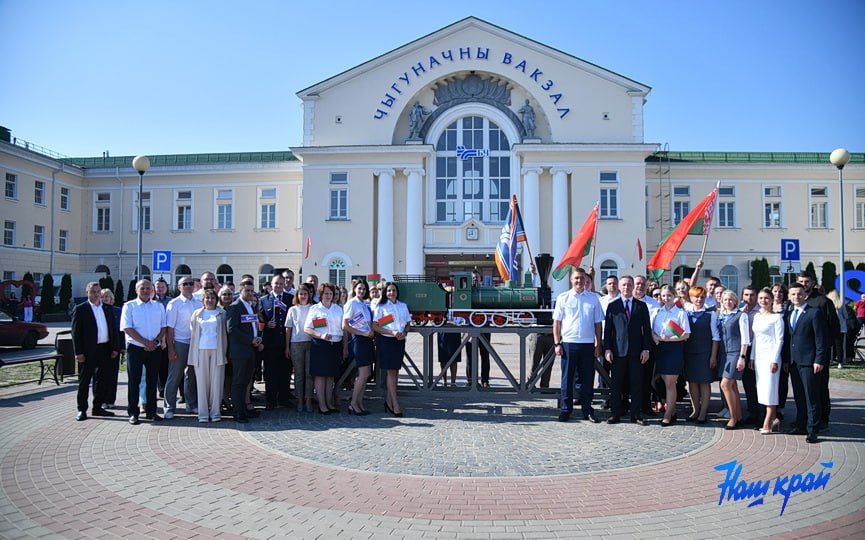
[106,283]
[47,292]
[827,278]
[811,271]
[861,266]
[118,293]
[760,274]
[130,294]
[848,265]
[65,291]
[26,290]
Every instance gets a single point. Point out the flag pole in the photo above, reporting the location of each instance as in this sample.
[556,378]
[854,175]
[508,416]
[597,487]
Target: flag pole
[594,247]
[528,248]
[695,276]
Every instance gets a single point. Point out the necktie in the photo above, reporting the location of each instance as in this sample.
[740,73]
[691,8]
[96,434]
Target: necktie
[628,309]
[795,318]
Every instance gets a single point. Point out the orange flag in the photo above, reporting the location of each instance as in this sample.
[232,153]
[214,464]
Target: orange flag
[580,246]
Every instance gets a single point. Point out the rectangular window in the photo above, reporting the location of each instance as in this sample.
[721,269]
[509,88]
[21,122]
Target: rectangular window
[609,203]
[726,214]
[64,198]
[680,210]
[772,217]
[681,191]
[11,186]
[63,238]
[8,233]
[338,196]
[145,211]
[38,236]
[39,192]
[267,208]
[819,208]
[859,208]
[102,212]
[183,203]
[727,191]
[224,209]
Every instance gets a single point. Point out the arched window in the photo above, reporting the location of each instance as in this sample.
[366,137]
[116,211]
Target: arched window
[181,272]
[145,273]
[265,272]
[729,277]
[224,274]
[608,268]
[103,268]
[473,172]
[682,272]
[336,272]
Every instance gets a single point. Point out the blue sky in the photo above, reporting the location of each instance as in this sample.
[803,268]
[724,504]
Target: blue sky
[192,76]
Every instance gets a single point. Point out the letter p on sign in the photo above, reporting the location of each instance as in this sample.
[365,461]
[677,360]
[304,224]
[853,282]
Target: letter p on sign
[789,249]
[161,261]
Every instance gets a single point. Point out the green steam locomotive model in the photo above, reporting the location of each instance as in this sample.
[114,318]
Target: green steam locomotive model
[435,303]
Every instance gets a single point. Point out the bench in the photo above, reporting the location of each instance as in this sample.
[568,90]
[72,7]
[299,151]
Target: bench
[45,364]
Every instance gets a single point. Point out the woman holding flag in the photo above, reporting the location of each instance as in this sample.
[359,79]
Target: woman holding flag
[324,324]
[670,328]
[357,323]
[391,321]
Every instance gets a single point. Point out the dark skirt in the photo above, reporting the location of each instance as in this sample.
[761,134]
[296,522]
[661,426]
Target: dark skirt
[728,369]
[697,369]
[362,350]
[390,352]
[324,358]
[670,358]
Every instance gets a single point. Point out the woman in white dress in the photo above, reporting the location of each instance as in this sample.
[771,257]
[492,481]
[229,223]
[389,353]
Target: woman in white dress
[208,347]
[768,329]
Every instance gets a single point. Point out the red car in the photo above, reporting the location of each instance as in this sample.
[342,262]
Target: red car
[19,333]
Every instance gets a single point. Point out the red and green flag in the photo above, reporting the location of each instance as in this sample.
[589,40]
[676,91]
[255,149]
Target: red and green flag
[319,323]
[580,246]
[386,320]
[674,328]
[696,222]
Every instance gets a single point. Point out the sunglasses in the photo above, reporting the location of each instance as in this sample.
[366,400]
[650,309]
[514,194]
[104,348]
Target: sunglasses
[186,284]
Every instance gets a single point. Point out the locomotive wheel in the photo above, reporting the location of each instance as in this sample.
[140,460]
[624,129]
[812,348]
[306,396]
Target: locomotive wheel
[437,321]
[418,321]
[498,320]
[525,319]
[478,319]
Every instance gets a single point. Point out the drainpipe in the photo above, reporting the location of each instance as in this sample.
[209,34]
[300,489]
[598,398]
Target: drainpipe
[53,211]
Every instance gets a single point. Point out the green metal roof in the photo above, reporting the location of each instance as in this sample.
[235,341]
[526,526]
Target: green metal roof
[750,157]
[185,159]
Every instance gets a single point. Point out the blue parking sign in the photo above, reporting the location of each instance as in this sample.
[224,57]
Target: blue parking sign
[789,249]
[161,261]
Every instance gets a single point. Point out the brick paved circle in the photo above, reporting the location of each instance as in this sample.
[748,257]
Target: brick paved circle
[475,441]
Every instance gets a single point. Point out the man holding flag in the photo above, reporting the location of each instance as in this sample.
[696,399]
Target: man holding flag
[577,321]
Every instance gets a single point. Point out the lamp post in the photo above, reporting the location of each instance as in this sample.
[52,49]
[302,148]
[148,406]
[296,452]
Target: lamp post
[140,164]
[839,157]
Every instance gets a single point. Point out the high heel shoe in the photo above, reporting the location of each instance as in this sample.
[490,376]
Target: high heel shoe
[387,407]
[324,412]
[352,411]
[728,427]
[765,431]
[776,425]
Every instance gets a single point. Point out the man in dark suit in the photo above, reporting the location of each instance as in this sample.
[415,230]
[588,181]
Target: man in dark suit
[273,307]
[243,342]
[627,342]
[806,357]
[833,329]
[94,337]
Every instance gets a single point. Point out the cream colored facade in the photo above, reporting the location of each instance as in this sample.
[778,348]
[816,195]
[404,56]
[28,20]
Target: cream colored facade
[378,189]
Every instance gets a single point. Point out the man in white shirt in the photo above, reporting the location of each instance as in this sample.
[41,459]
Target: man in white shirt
[143,322]
[577,321]
[612,286]
[208,281]
[178,314]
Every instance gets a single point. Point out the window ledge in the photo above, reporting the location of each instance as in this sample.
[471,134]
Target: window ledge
[611,218]
[728,228]
[827,229]
[40,205]
[275,229]
[183,230]
[773,228]
[222,230]
[337,219]
[103,232]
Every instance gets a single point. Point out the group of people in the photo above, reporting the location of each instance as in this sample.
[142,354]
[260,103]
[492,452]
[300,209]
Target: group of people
[209,344]
[763,339]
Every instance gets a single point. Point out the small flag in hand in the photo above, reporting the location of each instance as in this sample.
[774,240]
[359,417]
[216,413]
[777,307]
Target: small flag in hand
[674,328]
[354,321]
[319,323]
[279,303]
[386,320]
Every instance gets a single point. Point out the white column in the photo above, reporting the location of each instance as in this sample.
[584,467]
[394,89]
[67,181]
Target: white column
[384,238]
[531,211]
[414,223]
[561,225]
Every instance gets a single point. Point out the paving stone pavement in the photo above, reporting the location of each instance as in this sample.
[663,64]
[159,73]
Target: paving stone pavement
[456,466]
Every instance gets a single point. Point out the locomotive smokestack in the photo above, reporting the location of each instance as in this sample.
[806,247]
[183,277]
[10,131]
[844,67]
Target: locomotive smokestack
[543,264]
